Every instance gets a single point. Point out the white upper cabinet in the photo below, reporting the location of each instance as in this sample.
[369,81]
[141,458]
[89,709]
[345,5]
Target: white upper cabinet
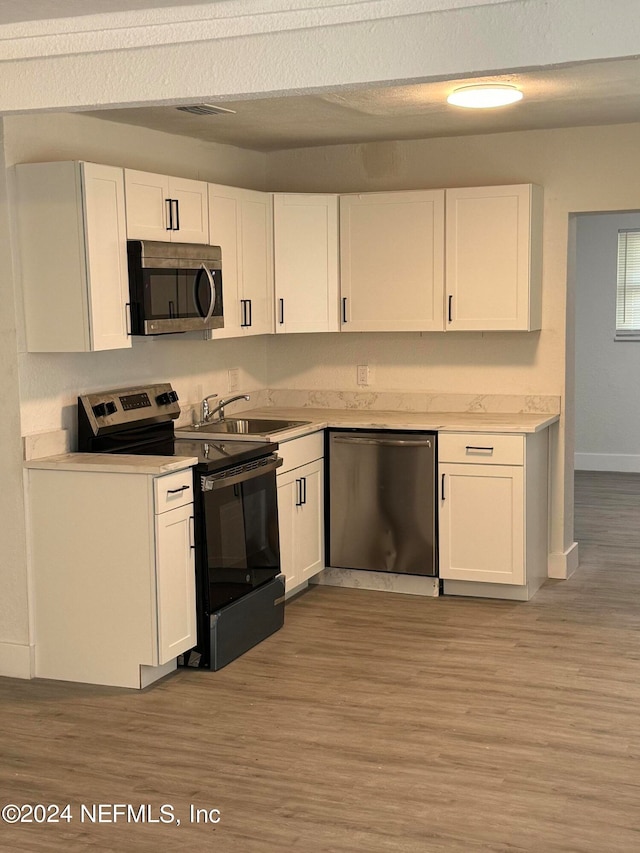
[73,256]
[494,258]
[165,208]
[306,262]
[392,261]
[241,223]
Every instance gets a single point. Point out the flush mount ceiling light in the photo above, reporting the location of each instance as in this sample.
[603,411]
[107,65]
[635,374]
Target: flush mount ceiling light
[485,95]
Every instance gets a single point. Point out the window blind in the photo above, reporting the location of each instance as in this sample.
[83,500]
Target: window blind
[628,286]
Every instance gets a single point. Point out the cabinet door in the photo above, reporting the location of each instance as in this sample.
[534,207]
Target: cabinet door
[106,256]
[493,257]
[309,538]
[175,583]
[391,261]
[190,211]
[224,231]
[241,223]
[300,518]
[147,199]
[287,488]
[257,262]
[306,262]
[482,523]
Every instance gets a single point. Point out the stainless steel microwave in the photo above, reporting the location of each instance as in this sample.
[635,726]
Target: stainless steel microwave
[174,287]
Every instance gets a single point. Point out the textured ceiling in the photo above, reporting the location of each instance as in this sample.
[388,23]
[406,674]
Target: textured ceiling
[577,95]
[15,11]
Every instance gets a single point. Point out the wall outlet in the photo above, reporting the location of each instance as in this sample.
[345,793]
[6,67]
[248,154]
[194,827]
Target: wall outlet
[363,374]
[234,378]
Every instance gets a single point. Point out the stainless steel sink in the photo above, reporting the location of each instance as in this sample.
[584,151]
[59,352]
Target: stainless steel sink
[247,429]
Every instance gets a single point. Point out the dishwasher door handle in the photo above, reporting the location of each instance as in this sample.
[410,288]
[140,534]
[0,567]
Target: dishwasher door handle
[383,442]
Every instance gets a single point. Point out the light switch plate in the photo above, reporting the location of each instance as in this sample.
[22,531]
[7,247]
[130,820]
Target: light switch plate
[234,378]
[363,374]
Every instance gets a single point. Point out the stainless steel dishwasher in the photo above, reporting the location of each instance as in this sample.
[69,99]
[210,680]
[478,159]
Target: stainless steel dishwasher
[382,508]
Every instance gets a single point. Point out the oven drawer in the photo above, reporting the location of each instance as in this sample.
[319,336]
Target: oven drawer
[479,448]
[173,490]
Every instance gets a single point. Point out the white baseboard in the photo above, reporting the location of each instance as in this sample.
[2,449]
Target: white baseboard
[628,463]
[563,564]
[16,661]
[474,589]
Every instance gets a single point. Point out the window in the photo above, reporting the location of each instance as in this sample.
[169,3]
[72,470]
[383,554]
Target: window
[628,287]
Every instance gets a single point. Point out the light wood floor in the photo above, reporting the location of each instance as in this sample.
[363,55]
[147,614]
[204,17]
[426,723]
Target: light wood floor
[371,723]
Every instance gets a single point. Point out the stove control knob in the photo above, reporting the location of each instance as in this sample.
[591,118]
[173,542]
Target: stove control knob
[101,410]
[167,398]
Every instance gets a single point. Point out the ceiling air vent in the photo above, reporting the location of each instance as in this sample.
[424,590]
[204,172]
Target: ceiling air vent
[204,110]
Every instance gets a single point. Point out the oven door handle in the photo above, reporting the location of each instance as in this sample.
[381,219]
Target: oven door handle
[204,268]
[218,481]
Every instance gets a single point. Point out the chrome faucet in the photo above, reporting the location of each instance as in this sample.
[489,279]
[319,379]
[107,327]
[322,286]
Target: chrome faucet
[205,410]
[208,412]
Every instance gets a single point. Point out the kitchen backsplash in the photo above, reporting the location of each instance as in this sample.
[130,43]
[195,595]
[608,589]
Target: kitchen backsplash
[399,401]
[38,445]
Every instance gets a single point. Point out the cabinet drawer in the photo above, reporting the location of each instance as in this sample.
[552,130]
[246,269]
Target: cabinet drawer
[173,490]
[479,448]
[301,450]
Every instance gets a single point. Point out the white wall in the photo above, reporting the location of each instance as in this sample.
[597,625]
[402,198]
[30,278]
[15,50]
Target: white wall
[14,617]
[607,373]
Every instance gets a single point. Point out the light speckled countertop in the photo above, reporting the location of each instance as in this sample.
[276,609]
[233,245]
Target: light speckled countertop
[114,463]
[316,419]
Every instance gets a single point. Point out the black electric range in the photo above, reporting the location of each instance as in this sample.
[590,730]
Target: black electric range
[239,586]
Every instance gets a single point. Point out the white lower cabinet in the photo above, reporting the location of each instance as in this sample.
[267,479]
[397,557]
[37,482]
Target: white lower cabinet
[301,509]
[175,582]
[493,513]
[114,575]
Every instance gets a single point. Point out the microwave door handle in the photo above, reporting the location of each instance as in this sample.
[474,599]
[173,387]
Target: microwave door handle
[212,288]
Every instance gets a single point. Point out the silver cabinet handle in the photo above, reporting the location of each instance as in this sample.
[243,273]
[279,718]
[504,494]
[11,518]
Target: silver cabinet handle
[212,288]
[384,442]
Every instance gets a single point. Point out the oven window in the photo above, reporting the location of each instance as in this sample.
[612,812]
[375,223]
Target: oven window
[241,545]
